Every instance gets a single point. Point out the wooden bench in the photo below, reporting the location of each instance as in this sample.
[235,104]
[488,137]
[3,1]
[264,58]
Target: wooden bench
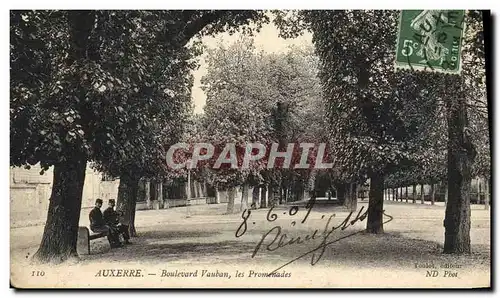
[83,241]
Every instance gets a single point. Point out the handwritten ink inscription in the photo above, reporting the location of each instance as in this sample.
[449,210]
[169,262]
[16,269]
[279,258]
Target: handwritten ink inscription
[275,238]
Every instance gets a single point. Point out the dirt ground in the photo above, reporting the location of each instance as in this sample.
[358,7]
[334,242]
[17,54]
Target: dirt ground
[197,247]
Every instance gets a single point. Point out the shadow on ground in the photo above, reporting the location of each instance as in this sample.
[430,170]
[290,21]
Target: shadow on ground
[158,252]
[156,234]
[359,250]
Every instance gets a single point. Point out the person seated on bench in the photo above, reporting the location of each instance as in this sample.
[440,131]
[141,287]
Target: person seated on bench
[98,225]
[112,219]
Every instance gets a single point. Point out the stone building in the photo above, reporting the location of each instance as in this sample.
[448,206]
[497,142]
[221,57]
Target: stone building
[30,193]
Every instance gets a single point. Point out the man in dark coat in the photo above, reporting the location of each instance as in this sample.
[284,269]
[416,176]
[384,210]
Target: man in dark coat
[98,225]
[112,218]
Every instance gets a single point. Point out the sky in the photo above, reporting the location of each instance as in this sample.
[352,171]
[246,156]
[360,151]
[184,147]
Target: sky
[267,40]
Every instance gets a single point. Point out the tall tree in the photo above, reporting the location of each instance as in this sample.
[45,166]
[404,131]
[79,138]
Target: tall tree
[468,88]
[267,98]
[150,119]
[48,92]
[376,115]
[62,90]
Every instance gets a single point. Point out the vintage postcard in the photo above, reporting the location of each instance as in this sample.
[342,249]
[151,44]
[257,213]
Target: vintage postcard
[250,149]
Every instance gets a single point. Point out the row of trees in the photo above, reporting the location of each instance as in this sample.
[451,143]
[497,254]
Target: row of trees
[253,96]
[480,192]
[107,87]
[396,128]
[382,120]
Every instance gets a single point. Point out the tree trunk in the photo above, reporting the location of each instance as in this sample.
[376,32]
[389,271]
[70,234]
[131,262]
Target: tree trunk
[167,192]
[200,190]
[393,195]
[159,195]
[263,197]
[422,194]
[153,188]
[147,191]
[61,228]
[311,182]
[272,199]
[231,193]
[289,197]
[284,191]
[280,195]
[300,192]
[351,201]
[461,155]
[204,189]
[127,197]
[487,194]
[375,205]
[181,190]
[341,192]
[414,194]
[217,196]
[355,198]
[194,189]
[292,193]
[433,193]
[406,194]
[347,196]
[255,197]
[244,197]
[478,190]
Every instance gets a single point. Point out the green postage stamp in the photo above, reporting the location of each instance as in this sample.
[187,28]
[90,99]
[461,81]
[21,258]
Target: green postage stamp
[430,40]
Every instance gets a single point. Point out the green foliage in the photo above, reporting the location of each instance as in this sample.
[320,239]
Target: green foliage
[37,49]
[121,95]
[430,160]
[377,117]
[259,97]
[112,87]
[385,121]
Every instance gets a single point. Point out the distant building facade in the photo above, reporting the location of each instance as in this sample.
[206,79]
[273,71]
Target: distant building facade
[30,193]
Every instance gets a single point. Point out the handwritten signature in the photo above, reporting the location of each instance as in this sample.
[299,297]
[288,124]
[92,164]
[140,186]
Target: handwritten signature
[281,239]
